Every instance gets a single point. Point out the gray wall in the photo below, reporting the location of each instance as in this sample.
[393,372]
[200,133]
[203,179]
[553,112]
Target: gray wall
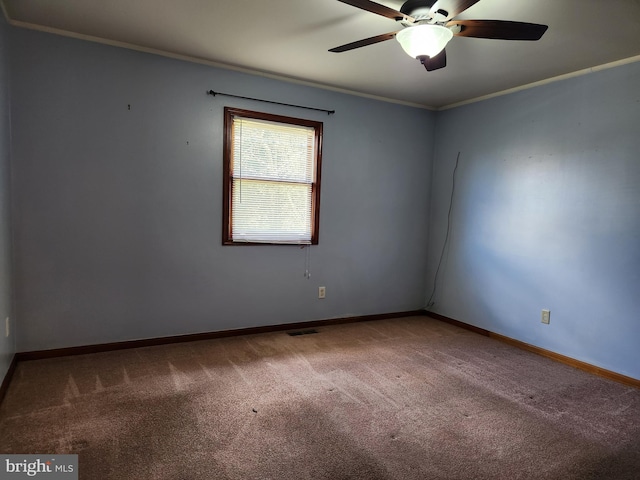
[546,214]
[7,344]
[118,212]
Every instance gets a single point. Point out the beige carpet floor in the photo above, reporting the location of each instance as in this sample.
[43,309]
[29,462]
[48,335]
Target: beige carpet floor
[410,398]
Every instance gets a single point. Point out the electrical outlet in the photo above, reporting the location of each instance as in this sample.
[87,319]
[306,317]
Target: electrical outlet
[546,316]
[6,327]
[322,291]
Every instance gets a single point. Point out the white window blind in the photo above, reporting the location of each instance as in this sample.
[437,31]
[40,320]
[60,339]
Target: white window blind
[272,170]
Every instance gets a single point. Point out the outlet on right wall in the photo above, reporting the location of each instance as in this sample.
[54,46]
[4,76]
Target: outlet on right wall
[545,215]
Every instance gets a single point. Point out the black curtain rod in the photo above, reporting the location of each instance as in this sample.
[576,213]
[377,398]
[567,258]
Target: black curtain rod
[329,112]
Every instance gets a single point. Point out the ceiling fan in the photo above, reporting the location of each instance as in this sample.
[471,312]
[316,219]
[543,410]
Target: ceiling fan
[429,25]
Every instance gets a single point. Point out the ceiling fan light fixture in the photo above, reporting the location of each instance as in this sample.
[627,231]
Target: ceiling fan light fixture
[422,40]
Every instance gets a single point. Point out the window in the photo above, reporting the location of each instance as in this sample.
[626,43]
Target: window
[271,178]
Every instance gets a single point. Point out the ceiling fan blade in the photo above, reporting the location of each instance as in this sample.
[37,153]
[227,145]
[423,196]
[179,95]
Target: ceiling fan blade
[364,42]
[451,8]
[497,29]
[379,9]
[431,64]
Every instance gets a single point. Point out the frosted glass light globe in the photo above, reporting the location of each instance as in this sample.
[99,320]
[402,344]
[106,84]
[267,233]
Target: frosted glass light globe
[422,40]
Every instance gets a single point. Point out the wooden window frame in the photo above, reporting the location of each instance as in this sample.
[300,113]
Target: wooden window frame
[229,114]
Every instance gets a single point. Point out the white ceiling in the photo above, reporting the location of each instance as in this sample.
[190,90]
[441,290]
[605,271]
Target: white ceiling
[290,38]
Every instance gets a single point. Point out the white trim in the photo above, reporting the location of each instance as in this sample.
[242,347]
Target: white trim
[546,81]
[210,63]
[202,61]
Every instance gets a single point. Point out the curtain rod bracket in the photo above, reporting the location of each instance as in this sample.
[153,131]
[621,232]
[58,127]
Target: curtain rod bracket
[329,112]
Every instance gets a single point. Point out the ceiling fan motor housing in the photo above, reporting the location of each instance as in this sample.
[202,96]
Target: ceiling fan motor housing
[418,9]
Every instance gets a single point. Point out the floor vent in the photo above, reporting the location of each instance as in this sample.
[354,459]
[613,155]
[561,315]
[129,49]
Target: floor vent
[302,332]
